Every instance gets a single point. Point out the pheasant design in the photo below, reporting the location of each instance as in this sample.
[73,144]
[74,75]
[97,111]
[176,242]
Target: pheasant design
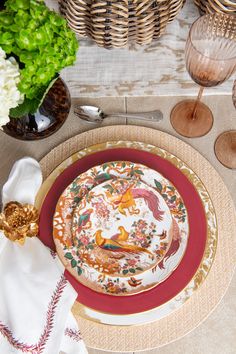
[117,243]
[175,244]
[127,202]
[84,220]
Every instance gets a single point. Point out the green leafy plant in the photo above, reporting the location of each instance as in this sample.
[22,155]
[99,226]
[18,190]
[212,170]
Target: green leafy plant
[42,43]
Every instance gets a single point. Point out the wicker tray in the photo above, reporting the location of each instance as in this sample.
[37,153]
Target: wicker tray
[210,6]
[115,23]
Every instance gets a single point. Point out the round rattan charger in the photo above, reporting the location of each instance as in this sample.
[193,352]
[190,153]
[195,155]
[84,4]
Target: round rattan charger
[205,299]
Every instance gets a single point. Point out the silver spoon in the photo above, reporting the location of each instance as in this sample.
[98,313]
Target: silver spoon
[96,115]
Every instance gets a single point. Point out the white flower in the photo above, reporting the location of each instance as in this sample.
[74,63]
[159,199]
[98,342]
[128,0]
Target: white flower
[10,96]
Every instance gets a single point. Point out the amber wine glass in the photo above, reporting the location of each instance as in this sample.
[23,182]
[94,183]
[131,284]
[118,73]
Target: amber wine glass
[210,56]
[225,145]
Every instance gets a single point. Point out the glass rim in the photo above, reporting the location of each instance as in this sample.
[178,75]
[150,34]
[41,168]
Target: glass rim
[212,16]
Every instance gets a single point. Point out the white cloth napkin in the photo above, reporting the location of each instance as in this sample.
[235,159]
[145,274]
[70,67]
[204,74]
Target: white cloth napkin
[35,297]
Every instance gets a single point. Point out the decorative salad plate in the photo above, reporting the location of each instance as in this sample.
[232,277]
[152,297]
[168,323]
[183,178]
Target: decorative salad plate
[127,234]
[199,254]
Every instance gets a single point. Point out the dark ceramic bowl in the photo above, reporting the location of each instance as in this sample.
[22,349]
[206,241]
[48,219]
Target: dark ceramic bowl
[47,120]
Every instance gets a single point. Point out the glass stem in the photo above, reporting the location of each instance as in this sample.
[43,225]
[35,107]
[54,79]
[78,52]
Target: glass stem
[233,140]
[197,102]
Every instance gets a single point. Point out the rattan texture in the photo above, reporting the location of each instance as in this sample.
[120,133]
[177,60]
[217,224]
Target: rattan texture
[211,6]
[205,299]
[115,23]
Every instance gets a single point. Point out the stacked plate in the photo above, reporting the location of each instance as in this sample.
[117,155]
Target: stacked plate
[134,227]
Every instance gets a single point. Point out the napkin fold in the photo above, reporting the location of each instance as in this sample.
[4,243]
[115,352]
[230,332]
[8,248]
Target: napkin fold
[35,297]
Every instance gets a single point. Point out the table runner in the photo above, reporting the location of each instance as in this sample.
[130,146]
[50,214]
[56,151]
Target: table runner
[154,69]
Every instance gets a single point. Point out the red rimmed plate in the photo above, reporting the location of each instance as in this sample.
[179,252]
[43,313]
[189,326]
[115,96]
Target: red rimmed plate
[196,244]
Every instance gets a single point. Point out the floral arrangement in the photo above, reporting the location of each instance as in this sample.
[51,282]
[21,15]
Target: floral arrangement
[41,43]
[10,96]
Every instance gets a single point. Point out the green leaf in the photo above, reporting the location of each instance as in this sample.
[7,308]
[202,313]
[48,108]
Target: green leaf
[104,166]
[30,106]
[83,218]
[18,4]
[24,40]
[79,270]
[164,196]
[28,57]
[73,263]
[173,198]
[139,172]
[40,36]
[103,176]
[21,19]
[123,164]
[91,247]
[77,200]
[6,19]
[132,270]
[171,188]
[46,89]
[6,39]
[79,244]
[139,268]
[158,185]
[125,271]
[68,255]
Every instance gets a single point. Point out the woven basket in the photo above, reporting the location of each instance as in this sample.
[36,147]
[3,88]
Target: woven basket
[210,6]
[115,23]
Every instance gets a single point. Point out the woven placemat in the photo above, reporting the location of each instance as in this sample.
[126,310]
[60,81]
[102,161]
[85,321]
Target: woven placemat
[205,299]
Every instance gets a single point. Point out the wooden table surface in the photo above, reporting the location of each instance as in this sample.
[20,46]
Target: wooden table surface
[217,334]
